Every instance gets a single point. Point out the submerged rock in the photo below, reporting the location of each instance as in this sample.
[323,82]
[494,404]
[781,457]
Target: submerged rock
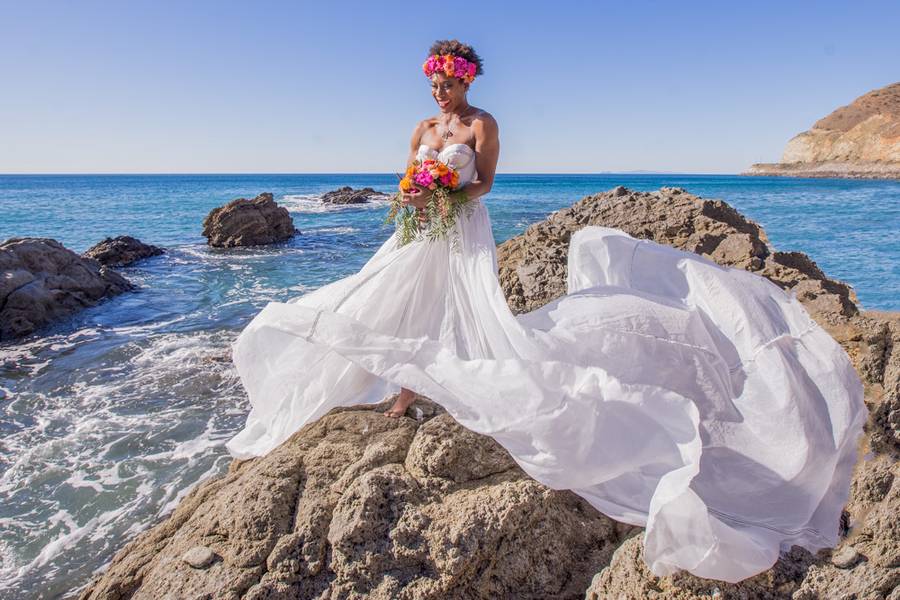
[244,222]
[121,251]
[347,195]
[44,281]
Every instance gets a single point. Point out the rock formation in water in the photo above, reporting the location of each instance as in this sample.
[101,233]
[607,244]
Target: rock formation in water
[357,505]
[44,281]
[860,140]
[121,251]
[244,222]
[347,195]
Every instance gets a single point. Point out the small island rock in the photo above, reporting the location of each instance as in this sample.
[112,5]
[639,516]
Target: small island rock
[121,251]
[244,222]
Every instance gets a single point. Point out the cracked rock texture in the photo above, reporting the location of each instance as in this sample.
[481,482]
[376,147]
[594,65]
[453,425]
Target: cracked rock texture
[244,222]
[44,281]
[358,505]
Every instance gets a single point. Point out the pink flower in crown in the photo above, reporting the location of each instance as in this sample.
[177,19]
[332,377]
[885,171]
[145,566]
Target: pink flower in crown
[423,178]
[460,66]
[433,64]
[471,70]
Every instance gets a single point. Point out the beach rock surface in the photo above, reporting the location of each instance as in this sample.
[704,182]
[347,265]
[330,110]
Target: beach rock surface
[860,140]
[356,505]
[533,267]
[44,281]
[248,222]
[359,505]
[121,251]
[347,195]
[866,564]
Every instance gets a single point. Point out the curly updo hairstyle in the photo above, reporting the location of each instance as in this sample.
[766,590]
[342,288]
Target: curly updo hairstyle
[459,49]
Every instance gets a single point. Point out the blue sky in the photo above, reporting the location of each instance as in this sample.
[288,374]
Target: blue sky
[313,87]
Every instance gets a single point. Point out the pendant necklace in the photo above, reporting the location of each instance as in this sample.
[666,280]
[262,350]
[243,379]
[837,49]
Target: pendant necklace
[446,135]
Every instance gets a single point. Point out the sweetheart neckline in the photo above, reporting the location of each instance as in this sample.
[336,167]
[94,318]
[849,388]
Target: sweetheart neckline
[441,151]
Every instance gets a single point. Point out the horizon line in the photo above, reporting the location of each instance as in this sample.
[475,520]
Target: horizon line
[163,173]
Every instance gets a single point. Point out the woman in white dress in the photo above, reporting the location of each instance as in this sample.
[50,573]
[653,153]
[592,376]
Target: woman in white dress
[698,401]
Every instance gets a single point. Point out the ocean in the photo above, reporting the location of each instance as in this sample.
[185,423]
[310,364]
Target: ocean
[110,417]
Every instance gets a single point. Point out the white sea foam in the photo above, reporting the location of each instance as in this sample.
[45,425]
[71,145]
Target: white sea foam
[135,426]
[346,229]
[233,254]
[311,203]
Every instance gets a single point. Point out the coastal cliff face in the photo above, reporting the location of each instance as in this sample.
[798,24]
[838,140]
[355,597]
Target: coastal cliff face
[357,505]
[861,139]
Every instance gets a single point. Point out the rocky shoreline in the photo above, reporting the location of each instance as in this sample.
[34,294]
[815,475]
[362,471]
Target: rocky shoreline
[826,170]
[355,505]
[45,282]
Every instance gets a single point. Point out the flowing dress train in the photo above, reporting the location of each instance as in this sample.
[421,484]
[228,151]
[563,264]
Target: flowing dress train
[699,401]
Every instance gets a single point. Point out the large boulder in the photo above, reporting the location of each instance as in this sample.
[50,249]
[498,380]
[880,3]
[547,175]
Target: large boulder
[121,251]
[44,281]
[359,505]
[347,195]
[533,264]
[859,140]
[866,564]
[244,222]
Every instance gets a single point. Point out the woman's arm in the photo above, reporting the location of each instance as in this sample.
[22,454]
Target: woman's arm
[487,152]
[417,200]
[415,140]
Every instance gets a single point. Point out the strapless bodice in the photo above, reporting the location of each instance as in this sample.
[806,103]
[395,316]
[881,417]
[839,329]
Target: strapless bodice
[458,156]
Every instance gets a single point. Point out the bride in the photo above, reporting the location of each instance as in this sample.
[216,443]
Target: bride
[698,401]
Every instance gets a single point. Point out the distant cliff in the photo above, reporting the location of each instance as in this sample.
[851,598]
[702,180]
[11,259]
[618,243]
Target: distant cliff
[861,139]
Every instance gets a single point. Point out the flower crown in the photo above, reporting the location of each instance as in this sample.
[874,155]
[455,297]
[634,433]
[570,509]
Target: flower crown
[450,65]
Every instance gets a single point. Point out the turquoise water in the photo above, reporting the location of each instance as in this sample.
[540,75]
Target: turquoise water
[848,227]
[108,418]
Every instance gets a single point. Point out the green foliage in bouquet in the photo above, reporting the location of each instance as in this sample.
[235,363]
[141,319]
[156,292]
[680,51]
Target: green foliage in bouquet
[441,212]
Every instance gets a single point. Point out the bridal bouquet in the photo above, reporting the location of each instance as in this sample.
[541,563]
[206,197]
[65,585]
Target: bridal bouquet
[443,204]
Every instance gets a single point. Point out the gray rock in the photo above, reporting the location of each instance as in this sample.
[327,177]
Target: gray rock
[43,281]
[244,222]
[347,195]
[121,251]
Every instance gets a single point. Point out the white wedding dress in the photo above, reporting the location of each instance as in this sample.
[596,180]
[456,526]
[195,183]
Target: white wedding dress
[699,401]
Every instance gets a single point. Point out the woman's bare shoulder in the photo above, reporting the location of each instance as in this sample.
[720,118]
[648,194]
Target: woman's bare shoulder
[484,120]
[423,126]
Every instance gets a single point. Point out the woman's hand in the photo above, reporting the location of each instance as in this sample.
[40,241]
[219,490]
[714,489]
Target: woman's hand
[417,197]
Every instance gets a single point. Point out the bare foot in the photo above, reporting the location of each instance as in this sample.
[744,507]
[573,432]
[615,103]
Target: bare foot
[398,409]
